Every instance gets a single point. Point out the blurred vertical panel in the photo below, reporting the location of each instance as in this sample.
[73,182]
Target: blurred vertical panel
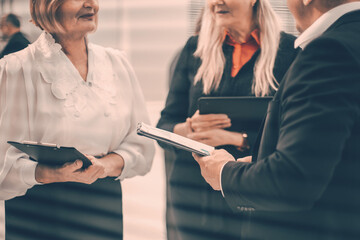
[155,30]
[194,10]
[287,19]
[150,32]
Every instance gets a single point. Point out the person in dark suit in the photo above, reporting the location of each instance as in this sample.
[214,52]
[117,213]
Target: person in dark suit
[10,28]
[236,53]
[303,180]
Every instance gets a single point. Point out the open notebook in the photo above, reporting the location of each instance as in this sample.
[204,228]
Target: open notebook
[174,139]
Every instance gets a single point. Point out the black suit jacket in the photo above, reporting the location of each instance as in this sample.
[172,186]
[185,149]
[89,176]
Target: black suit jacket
[16,43]
[304,183]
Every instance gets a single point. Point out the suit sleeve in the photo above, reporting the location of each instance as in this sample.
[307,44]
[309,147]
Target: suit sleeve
[319,106]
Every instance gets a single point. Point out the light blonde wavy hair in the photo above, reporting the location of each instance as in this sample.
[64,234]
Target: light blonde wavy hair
[210,51]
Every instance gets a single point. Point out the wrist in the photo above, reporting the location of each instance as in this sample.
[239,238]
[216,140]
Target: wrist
[244,142]
[180,129]
[235,139]
[239,140]
[114,164]
[44,174]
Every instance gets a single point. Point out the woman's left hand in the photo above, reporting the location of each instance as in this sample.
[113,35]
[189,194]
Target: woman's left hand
[217,137]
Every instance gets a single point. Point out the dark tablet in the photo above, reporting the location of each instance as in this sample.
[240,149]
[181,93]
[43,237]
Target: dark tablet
[244,109]
[50,154]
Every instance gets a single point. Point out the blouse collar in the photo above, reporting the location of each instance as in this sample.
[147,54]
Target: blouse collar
[66,83]
[254,35]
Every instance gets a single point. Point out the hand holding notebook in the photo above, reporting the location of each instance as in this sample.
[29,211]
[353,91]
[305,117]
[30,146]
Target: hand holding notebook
[174,139]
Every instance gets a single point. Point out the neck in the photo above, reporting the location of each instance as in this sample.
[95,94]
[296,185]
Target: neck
[241,34]
[76,50]
[13,31]
[72,46]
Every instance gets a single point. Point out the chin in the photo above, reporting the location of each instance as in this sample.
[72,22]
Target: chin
[89,28]
[222,24]
[299,28]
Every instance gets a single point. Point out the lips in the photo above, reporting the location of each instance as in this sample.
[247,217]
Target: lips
[87,15]
[221,11]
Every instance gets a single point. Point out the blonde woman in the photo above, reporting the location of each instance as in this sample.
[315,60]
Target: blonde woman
[240,51]
[64,90]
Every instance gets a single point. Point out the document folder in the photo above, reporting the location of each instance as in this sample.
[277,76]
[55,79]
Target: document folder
[174,139]
[50,154]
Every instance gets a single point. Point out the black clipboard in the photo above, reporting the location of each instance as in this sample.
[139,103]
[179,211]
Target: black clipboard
[50,154]
[244,109]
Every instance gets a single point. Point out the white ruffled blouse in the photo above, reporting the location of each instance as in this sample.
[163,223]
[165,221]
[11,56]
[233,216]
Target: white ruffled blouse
[43,98]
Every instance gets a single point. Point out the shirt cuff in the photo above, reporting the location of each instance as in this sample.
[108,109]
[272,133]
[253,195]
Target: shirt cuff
[127,164]
[220,179]
[28,172]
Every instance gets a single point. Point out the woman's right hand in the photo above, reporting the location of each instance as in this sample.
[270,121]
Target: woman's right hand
[202,122]
[69,172]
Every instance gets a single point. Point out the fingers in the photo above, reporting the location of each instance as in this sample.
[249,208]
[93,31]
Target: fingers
[210,168]
[188,126]
[89,175]
[72,167]
[73,172]
[209,121]
[247,159]
[196,157]
[204,126]
[213,137]
[198,135]
[96,173]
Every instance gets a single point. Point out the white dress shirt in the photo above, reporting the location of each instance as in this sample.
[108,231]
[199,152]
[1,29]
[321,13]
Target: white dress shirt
[324,22]
[43,98]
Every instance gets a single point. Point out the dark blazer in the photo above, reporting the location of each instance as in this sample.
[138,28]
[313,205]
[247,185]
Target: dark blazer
[16,43]
[199,211]
[304,182]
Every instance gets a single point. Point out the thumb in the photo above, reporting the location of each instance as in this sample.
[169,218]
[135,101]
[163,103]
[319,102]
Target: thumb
[75,165]
[247,159]
[188,126]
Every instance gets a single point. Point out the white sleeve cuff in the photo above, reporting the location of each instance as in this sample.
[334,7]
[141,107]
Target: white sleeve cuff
[126,156]
[220,179]
[28,172]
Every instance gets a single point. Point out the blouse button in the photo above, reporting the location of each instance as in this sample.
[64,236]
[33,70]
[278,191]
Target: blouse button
[90,84]
[106,114]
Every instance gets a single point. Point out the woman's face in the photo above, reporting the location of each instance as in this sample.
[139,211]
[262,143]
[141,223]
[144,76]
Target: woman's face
[232,14]
[78,16]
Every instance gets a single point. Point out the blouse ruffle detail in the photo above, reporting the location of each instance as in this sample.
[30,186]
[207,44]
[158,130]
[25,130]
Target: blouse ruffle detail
[66,82]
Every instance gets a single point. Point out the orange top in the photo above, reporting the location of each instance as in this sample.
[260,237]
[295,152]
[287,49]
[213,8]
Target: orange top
[243,52]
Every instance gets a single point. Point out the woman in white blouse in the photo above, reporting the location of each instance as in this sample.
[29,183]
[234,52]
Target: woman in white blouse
[64,90]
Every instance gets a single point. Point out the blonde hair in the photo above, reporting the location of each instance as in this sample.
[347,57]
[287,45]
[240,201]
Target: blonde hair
[43,14]
[210,51]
